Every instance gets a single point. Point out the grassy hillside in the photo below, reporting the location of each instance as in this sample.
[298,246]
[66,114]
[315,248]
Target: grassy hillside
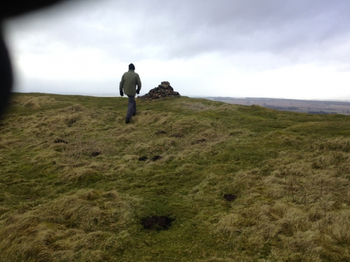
[233,183]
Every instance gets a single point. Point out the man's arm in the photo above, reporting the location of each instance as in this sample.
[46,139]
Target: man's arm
[121,85]
[138,84]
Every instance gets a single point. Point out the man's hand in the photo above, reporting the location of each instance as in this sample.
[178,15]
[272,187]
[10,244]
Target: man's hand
[138,91]
[121,93]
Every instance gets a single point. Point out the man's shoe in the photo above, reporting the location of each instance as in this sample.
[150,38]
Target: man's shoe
[127,120]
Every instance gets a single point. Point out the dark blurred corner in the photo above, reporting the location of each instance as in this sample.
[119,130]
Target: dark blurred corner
[9,9]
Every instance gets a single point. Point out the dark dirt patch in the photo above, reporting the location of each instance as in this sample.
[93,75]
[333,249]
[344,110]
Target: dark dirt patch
[75,108]
[201,141]
[70,122]
[143,158]
[157,222]
[58,141]
[177,135]
[95,153]
[155,158]
[161,132]
[229,197]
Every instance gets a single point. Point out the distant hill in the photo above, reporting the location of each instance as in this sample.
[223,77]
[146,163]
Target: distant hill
[301,106]
[187,180]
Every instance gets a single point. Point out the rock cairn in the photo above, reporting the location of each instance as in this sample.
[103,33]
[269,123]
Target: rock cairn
[163,90]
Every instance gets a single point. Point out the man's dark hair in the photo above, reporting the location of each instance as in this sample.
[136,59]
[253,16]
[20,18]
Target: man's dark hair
[131,66]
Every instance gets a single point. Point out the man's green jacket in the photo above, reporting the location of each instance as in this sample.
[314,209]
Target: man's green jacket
[129,82]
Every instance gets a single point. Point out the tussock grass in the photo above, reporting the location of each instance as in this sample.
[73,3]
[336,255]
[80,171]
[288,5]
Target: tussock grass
[74,188]
[62,229]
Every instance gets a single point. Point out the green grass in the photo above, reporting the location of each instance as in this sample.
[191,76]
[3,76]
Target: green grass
[289,171]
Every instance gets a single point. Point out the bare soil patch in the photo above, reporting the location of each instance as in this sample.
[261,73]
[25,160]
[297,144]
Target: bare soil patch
[230,197]
[60,141]
[157,222]
[155,158]
[143,158]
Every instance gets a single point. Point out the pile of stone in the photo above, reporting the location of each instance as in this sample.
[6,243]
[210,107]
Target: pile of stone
[163,90]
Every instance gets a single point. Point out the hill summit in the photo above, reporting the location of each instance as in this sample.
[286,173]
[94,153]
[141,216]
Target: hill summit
[188,180]
[163,90]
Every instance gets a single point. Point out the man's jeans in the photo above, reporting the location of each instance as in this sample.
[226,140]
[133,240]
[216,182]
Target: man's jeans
[131,107]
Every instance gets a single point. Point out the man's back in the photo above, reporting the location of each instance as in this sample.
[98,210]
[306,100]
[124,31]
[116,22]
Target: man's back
[129,82]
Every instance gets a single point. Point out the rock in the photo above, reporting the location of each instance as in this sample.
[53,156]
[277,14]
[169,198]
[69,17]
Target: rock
[163,90]
[165,84]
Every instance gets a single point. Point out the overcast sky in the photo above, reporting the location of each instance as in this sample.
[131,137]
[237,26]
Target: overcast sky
[253,48]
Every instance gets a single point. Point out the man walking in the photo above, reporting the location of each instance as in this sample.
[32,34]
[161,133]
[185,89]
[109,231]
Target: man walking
[128,85]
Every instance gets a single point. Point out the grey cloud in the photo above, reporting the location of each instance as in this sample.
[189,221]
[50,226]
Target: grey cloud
[288,28]
[294,29]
